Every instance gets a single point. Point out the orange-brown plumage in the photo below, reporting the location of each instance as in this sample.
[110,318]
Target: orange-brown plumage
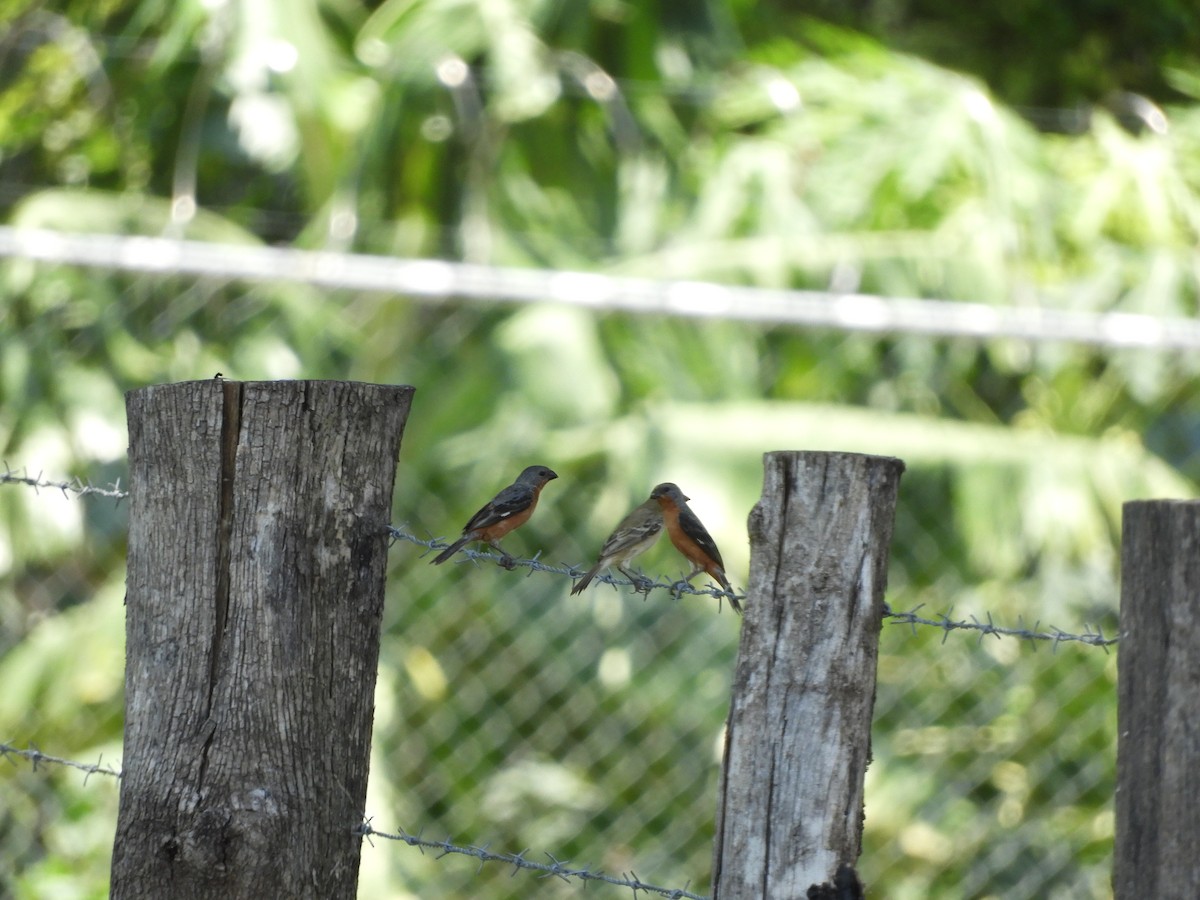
[508,510]
[691,538]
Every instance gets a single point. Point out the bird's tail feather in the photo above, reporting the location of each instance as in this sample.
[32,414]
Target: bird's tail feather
[728,588]
[586,579]
[451,550]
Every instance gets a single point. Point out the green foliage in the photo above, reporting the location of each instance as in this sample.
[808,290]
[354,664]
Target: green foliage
[1032,53]
[737,142]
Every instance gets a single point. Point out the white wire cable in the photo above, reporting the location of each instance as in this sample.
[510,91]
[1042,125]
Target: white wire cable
[430,279]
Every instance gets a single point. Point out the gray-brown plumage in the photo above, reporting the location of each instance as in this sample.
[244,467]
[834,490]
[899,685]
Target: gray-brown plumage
[635,535]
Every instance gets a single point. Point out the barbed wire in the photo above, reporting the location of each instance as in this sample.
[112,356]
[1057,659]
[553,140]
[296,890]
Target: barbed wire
[556,868]
[677,588]
[75,486]
[1033,635]
[36,757]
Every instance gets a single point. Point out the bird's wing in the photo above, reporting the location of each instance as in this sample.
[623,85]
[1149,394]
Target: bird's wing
[694,529]
[641,525]
[513,499]
[631,535]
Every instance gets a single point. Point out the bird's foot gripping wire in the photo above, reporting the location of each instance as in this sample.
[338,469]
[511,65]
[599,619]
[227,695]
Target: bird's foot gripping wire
[641,583]
[678,587]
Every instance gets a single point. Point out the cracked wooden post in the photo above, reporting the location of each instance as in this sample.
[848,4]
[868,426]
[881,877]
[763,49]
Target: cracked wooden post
[798,739]
[1158,703]
[257,553]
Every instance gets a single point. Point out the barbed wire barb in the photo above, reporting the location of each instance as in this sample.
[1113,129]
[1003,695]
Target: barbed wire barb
[1054,635]
[75,486]
[36,757]
[364,830]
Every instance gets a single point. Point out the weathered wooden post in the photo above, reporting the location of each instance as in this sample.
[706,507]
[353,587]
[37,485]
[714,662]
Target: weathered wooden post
[798,741]
[257,552]
[1157,851]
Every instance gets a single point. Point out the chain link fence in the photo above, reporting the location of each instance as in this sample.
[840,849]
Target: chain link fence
[585,732]
[515,722]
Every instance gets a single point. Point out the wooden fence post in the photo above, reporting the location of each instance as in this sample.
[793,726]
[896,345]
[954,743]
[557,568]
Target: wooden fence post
[798,740]
[257,553]
[1157,851]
